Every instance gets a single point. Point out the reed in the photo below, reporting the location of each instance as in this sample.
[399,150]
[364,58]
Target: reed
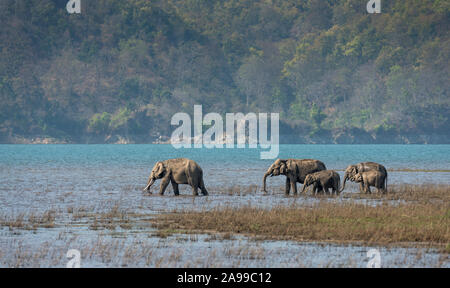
[411,223]
[424,193]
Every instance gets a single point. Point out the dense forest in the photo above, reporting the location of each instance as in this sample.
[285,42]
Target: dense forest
[118,71]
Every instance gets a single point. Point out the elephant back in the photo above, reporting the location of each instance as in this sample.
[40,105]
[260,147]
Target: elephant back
[371,166]
[303,167]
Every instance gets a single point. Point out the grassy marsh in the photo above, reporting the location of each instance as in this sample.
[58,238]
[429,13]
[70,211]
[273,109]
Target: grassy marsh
[238,232]
[423,218]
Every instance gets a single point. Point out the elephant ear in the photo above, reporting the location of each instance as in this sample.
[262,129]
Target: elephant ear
[291,167]
[308,179]
[352,170]
[283,167]
[160,169]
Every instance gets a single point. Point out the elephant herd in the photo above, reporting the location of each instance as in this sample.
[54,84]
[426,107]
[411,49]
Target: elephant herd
[309,172]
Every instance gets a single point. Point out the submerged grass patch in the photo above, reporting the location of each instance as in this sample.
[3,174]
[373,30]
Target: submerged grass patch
[422,223]
[30,221]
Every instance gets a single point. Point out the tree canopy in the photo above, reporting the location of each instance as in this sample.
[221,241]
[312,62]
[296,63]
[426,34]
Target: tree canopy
[125,67]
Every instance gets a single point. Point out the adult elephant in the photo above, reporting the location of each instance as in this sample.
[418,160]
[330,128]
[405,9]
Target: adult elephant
[352,170]
[177,171]
[295,171]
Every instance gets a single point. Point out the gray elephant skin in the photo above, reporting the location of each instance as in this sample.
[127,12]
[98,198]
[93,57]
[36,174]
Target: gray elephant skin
[295,171]
[352,170]
[323,181]
[371,178]
[177,171]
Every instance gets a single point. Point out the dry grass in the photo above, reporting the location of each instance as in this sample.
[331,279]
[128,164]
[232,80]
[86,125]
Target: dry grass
[337,222]
[426,193]
[110,219]
[29,221]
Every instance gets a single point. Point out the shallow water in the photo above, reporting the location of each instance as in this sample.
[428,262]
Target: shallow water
[113,249]
[45,177]
[38,178]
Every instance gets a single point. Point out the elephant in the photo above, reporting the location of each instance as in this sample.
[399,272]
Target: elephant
[324,180]
[177,171]
[295,171]
[371,178]
[352,170]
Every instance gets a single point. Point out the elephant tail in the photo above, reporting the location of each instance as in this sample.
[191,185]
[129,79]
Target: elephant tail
[203,188]
[202,184]
[385,182]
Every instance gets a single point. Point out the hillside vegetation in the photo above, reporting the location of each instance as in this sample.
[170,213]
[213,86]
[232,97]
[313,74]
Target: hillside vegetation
[121,69]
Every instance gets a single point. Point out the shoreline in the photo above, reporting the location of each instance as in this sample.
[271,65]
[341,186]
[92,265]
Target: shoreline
[402,139]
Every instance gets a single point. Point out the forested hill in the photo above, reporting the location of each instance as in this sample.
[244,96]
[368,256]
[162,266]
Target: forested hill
[119,70]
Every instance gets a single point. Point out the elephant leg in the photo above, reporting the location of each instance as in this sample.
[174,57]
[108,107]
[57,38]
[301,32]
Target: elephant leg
[316,189]
[288,186]
[175,188]
[193,181]
[380,189]
[326,188]
[165,181]
[294,186]
[319,189]
[383,188]
[195,190]
[202,187]
[361,187]
[322,190]
[333,189]
[367,188]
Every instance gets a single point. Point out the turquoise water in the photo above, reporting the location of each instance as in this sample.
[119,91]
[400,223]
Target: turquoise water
[112,168]
[435,157]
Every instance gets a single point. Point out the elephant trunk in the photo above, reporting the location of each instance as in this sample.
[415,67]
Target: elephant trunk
[264,180]
[149,184]
[304,188]
[343,184]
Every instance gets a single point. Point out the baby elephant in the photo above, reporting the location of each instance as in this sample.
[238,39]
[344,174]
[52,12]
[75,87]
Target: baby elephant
[373,178]
[322,181]
[177,171]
